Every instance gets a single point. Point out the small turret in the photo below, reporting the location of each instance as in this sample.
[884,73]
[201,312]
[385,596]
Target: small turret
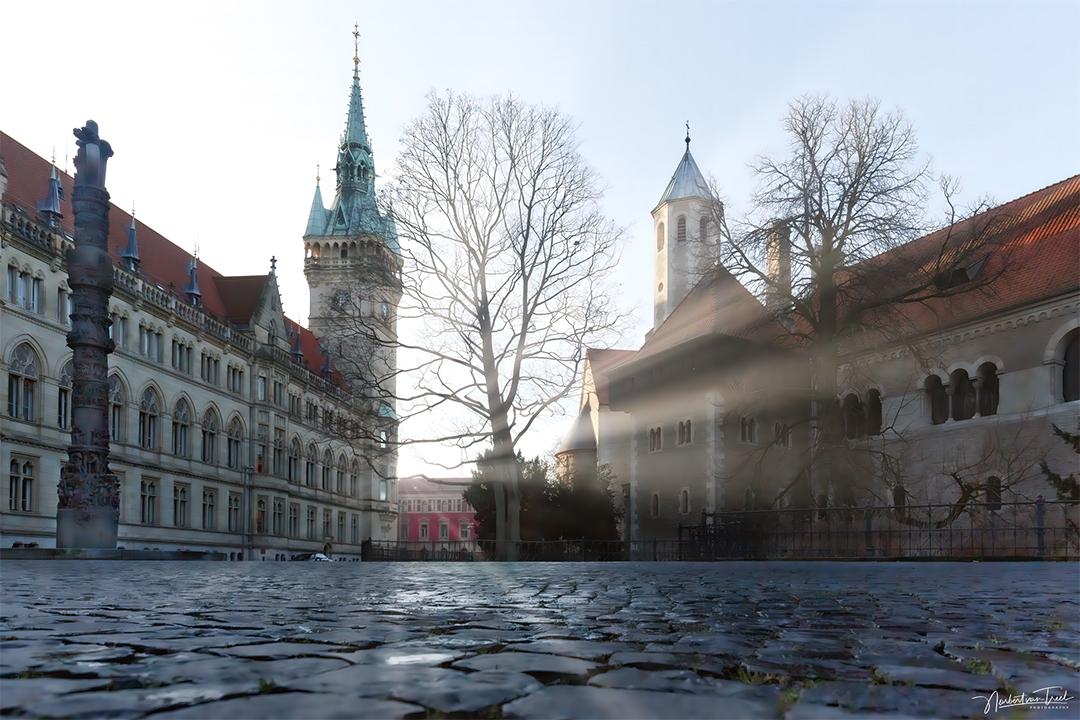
[191,289]
[295,350]
[130,254]
[50,206]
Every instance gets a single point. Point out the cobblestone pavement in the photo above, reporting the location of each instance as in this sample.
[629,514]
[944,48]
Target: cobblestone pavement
[82,639]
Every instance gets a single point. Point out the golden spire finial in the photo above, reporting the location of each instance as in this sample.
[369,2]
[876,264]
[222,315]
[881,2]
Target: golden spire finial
[317,178]
[133,209]
[356,49]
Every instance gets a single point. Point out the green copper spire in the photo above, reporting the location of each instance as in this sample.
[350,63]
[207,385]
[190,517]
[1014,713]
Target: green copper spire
[316,223]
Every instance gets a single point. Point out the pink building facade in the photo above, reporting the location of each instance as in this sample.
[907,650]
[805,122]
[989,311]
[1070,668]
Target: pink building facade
[433,512]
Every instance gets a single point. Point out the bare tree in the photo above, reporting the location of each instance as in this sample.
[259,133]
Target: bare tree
[840,247]
[507,256]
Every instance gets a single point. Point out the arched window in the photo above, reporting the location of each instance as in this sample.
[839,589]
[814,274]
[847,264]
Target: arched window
[354,479]
[993,493]
[937,399]
[236,439]
[148,419]
[116,409]
[209,437]
[340,485]
[63,398]
[180,426]
[853,416]
[680,229]
[988,389]
[22,382]
[327,469]
[660,237]
[260,516]
[963,395]
[654,505]
[899,496]
[873,412]
[294,461]
[703,230]
[310,465]
[1070,371]
[684,501]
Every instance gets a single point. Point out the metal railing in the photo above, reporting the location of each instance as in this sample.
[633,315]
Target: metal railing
[581,550]
[1039,529]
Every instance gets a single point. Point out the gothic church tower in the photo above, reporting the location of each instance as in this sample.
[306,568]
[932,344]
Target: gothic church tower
[351,246]
[685,238]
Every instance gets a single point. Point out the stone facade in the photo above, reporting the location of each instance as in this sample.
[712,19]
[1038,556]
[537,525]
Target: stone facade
[701,417]
[224,415]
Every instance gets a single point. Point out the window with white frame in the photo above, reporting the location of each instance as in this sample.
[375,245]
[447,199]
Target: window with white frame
[444,530]
[424,529]
[22,382]
[21,485]
[463,530]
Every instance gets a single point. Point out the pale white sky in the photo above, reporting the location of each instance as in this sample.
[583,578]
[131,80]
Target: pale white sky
[219,112]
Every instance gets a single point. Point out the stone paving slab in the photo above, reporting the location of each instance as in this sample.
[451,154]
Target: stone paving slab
[619,640]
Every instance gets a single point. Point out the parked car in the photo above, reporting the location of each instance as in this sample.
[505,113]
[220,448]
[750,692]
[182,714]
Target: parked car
[312,557]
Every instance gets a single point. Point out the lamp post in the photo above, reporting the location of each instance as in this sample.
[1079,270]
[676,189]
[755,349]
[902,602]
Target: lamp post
[247,539]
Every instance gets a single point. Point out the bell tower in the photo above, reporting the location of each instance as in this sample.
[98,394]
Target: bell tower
[685,238]
[352,259]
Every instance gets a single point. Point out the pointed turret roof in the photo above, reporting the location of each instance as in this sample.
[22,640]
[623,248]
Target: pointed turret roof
[50,206]
[130,254]
[687,182]
[316,223]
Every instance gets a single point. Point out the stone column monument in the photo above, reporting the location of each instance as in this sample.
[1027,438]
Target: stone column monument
[88,512]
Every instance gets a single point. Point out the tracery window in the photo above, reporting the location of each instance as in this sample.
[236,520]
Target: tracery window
[148,419]
[116,409]
[235,442]
[209,437]
[63,398]
[21,485]
[180,427]
[22,382]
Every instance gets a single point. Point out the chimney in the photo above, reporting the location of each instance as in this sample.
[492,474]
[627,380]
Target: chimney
[778,256]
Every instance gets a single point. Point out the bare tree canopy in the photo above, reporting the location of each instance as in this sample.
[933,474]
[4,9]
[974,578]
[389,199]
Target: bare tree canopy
[840,246]
[507,256]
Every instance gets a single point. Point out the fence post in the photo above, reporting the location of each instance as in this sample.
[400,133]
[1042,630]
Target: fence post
[869,529]
[583,548]
[1040,529]
[654,549]
[679,546]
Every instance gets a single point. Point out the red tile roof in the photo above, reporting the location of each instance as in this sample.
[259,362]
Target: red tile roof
[163,263]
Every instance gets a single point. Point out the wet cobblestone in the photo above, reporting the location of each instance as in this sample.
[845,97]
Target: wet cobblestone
[101,639]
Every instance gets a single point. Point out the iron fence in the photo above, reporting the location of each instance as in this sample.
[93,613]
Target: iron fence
[581,550]
[1037,529]
[1040,529]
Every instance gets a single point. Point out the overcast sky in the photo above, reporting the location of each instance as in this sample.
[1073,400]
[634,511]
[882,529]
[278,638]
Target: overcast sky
[219,112]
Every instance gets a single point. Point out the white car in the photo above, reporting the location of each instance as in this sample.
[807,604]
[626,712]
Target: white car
[312,557]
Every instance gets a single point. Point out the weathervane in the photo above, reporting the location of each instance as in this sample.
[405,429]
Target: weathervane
[688,136]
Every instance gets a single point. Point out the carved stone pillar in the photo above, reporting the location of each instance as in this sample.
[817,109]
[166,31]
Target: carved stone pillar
[87,514]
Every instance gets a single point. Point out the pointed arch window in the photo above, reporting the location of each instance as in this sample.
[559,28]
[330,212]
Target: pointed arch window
[236,439]
[116,409]
[180,428]
[63,397]
[354,479]
[148,419]
[937,399]
[209,437]
[294,461]
[680,229]
[703,230]
[340,487]
[660,237]
[148,498]
[22,382]
[21,487]
[310,466]
[327,470]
